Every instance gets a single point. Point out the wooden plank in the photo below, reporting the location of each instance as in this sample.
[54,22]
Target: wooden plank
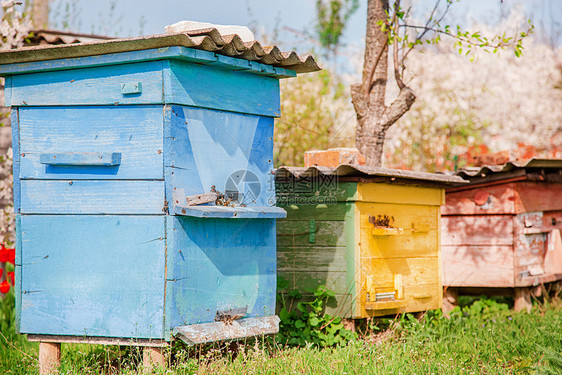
[311,191]
[297,233]
[313,259]
[100,276]
[399,194]
[533,281]
[16,189]
[441,301]
[8,91]
[385,305]
[194,200]
[538,196]
[354,278]
[209,87]
[308,281]
[553,256]
[478,266]
[341,305]
[196,334]
[170,232]
[230,151]
[330,260]
[92,197]
[102,159]
[223,212]
[98,340]
[415,299]
[174,52]
[219,264]
[98,85]
[319,212]
[133,131]
[416,228]
[530,242]
[194,55]
[17,271]
[500,200]
[414,271]
[401,246]
[536,243]
[411,218]
[484,230]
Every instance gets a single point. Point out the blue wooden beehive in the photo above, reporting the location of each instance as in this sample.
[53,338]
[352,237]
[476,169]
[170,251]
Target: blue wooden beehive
[115,146]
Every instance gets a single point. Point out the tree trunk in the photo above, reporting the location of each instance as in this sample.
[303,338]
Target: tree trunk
[373,116]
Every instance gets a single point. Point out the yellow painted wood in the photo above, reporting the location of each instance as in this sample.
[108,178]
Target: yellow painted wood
[405,246]
[419,224]
[377,231]
[411,218]
[414,271]
[417,298]
[399,194]
[399,286]
[384,305]
[403,257]
[439,256]
[358,276]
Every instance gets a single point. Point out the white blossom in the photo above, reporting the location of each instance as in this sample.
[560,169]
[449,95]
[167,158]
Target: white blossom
[14,26]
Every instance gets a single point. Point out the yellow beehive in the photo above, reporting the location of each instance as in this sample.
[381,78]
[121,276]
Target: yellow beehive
[371,235]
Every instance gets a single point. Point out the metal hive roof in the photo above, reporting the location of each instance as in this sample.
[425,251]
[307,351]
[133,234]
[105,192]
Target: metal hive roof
[540,170]
[487,170]
[204,39]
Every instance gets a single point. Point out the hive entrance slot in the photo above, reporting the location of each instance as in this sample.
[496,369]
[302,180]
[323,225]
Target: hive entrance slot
[230,314]
[389,296]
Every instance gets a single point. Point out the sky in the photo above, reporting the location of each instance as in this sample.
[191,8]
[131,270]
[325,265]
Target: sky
[290,17]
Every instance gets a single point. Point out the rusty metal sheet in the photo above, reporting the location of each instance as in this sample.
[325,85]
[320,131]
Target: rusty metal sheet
[487,171]
[361,171]
[227,330]
[205,39]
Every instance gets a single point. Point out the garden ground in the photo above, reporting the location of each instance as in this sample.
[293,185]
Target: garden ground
[483,337]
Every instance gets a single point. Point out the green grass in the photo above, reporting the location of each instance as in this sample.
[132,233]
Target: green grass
[485,337]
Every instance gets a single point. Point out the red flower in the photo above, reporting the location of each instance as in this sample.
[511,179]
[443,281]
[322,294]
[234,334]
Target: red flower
[4,287]
[11,277]
[1,272]
[4,254]
[7,255]
[11,255]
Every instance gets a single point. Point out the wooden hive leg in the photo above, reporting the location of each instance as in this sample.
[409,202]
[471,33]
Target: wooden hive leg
[450,300]
[523,299]
[153,357]
[349,324]
[49,357]
[556,288]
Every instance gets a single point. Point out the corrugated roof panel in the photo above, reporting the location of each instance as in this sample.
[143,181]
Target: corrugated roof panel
[206,39]
[487,170]
[62,37]
[361,171]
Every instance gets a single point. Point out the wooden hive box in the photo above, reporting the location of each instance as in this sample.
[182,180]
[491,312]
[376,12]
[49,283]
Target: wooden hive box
[117,149]
[369,234]
[501,233]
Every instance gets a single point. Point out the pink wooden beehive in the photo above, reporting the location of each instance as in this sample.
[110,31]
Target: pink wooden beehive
[503,229]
